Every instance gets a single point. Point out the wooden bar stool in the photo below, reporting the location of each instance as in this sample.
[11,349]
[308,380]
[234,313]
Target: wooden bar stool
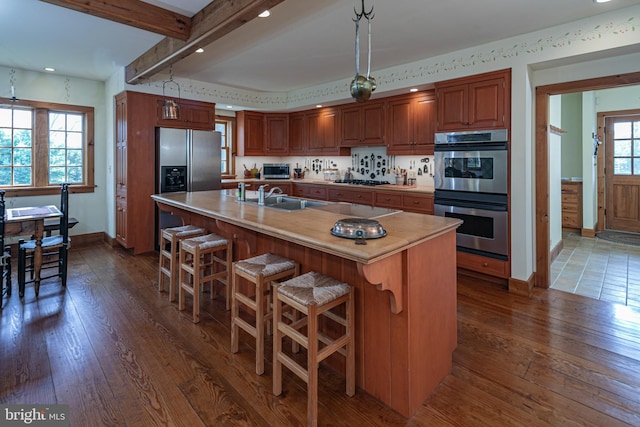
[169,247]
[260,271]
[312,295]
[200,263]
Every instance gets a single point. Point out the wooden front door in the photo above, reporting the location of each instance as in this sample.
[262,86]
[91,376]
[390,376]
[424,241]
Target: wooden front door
[622,173]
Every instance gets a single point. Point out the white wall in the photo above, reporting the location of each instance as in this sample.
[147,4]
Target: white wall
[626,98]
[589,163]
[89,208]
[555,185]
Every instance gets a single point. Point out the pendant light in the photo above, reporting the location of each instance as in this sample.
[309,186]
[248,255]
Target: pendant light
[361,86]
[170,108]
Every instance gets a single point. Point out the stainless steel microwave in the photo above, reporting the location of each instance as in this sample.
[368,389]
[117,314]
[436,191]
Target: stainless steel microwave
[275,171]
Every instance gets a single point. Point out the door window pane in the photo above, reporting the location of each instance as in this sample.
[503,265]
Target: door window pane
[621,148]
[622,166]
[622,130]
[626,148]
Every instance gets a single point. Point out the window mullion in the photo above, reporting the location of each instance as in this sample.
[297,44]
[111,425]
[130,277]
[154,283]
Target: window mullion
[41,148]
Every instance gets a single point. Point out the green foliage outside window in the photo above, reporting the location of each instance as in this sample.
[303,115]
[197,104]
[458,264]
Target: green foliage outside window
[16,147]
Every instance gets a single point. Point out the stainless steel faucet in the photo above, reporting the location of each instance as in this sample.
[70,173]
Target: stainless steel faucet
[262,197]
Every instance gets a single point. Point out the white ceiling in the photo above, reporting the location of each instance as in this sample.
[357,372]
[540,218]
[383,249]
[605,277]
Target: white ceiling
[304,43]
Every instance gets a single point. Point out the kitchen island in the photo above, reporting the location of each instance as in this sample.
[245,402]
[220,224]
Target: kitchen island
[405,282]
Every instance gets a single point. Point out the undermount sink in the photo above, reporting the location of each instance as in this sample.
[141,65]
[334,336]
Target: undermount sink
[287,203]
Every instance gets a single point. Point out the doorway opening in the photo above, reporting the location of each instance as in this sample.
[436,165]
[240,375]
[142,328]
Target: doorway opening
[543,129]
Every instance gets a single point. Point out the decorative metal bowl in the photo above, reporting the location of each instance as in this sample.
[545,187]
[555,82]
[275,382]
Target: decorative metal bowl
[358,228]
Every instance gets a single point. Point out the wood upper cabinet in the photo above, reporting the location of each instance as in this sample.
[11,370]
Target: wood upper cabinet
[193,115]
[250,127]
[362,124]
[277,134]
[476,102]
[323,132]
[298,134]
[262,134]
[411,124]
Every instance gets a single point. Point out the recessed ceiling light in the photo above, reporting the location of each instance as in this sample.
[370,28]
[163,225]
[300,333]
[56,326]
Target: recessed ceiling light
[229,106]
[601,1]
[413,89]
[319,106]
[199,50]
[50,69]
[265,14]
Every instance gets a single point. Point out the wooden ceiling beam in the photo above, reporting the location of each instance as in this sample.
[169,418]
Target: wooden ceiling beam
[134,13]
[213,22]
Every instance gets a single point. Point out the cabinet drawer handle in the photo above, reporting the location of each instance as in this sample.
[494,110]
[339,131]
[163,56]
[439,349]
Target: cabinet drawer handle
[485,264]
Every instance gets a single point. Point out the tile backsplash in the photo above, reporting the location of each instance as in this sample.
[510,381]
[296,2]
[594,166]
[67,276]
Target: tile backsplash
[364,162]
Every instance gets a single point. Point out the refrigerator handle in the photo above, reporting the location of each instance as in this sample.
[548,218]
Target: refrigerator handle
[189,159]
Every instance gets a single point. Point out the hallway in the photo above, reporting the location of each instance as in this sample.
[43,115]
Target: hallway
[599,269]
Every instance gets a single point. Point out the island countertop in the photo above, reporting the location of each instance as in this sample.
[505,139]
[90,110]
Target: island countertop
[311,227]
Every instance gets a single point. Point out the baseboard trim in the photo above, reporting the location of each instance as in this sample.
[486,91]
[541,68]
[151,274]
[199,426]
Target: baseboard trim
[522,287]
[556,251]
[588,232]
[86,239]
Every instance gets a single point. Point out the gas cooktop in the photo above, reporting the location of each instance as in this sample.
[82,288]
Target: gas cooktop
[368,182]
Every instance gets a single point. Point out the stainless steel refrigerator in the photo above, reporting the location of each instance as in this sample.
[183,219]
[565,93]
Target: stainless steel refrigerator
[186,160]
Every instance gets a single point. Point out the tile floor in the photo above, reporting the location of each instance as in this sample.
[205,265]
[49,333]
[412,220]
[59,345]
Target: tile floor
[598,269]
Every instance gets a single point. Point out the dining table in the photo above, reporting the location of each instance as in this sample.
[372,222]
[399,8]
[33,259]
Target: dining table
[29,221]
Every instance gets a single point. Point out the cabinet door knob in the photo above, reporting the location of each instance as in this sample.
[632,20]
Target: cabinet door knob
[485,264]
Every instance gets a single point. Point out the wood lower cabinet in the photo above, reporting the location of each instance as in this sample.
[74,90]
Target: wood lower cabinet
[484,265]
[417,203]
[318,192]
[408,202]
[411,124]
[361,197]
[137,116]
[572,205]
[391,200]
[475,102]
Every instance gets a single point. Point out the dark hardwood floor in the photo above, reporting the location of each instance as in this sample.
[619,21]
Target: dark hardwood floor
[119,354]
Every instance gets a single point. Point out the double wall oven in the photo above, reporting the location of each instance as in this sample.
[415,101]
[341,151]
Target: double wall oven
[471,184]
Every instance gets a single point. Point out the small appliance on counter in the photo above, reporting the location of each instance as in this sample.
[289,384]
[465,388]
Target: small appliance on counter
[276,171]
[331,174]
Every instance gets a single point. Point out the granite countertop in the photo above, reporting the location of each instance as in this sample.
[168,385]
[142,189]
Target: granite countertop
[311,227]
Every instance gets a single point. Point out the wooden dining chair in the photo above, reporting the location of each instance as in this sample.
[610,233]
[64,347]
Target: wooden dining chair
[5,261]
[55,249]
